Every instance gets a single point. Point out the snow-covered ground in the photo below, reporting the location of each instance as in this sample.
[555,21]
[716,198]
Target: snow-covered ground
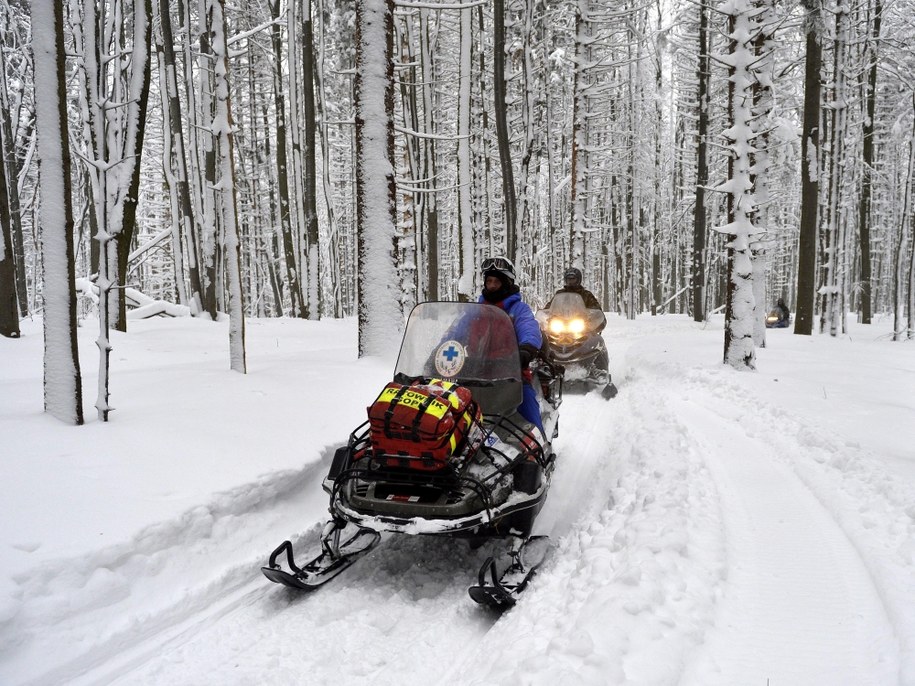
[709,526]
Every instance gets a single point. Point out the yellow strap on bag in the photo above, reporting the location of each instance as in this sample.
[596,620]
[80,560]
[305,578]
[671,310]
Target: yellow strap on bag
[436,408]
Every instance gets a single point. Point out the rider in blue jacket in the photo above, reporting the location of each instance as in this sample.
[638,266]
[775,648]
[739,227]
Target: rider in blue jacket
[499,289]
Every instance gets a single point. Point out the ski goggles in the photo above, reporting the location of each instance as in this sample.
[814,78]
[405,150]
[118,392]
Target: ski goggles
[498,263]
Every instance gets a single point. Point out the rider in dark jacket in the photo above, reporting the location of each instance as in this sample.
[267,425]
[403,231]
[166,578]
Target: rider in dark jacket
[572,280]
[784,315]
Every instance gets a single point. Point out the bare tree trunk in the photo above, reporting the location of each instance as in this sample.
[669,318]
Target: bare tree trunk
[699,214]
[221,129]
[739,350]
[311,247]
[63,395]
[205,155]
[655,247]
[380,318]
[762,111]
[910,305]
[465,224]
[331,227]
[579,154]
[430,163]
[282,166]
[11,225]
[832,314]
[138,94]
[175,164]
[9,312]
[867,163]
[500,112]
[810,185]
[907,216]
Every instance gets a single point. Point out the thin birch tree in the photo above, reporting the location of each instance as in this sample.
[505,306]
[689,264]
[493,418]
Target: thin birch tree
[221,130]
[113,98]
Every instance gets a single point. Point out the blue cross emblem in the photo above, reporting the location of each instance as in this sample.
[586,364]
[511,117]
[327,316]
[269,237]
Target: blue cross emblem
[450,353]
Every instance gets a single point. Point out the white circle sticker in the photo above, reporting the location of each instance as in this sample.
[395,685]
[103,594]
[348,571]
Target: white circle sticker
[450,358]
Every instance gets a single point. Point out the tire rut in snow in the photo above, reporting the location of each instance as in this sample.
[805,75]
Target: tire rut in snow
[98,605]
[799,605]
[399,615]
[631,588]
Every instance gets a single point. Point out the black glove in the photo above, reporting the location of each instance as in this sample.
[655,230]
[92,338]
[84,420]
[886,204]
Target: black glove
[527,353]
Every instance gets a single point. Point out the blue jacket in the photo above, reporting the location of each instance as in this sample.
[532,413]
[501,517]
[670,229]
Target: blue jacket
[526,327]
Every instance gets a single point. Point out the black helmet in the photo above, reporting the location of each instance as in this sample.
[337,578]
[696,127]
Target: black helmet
[501,267]
[572,277]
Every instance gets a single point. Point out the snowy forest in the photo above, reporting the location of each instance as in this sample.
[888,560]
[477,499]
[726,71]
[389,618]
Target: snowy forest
[322,159]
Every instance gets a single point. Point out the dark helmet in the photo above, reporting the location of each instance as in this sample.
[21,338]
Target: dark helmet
[572,277]
[781,302]
[501,267]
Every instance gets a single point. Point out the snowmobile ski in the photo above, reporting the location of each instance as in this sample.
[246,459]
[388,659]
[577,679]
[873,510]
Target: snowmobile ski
[334,558]
[500,592]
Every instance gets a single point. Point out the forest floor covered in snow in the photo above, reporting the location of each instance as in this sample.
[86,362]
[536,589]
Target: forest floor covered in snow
[709,526]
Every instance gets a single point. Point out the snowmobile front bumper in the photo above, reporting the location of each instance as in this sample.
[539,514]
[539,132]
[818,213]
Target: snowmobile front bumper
[396,513]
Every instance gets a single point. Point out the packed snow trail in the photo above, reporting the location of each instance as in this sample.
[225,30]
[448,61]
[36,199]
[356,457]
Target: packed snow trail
[691,575]
[796,587]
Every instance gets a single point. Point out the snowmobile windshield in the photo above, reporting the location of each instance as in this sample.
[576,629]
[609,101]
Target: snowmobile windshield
[472,344]
[568,309]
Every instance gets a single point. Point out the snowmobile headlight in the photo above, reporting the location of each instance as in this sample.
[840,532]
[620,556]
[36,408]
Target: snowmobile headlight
[557,325]
[577,326]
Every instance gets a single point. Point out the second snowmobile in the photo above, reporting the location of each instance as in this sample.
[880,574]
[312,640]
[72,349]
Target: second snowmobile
[444,452]
[573,333]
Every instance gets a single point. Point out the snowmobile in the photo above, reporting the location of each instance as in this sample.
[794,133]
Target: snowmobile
[573,334]
[444,452]
[776,319]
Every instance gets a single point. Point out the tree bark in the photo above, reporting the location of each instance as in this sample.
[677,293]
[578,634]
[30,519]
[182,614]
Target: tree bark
[133,148]
[867,164]
[282,166]
[311,262]
[810,185]
[221,128]
[378,289]
[9,312]
[500,112]
[63,396]
[699,214]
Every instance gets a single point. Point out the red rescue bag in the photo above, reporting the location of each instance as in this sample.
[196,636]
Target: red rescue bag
[421,426]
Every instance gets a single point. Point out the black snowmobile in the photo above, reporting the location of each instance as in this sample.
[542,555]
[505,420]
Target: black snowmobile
[776,319]
[573,334]
[444,452]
